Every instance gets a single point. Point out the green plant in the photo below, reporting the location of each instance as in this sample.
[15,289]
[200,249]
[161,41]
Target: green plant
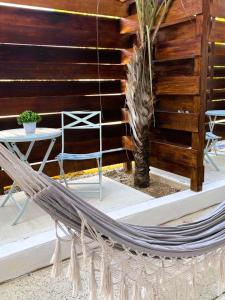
[28,116]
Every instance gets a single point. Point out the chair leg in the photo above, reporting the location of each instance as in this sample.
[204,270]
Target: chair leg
[211,161]
[62,173]
[99,162]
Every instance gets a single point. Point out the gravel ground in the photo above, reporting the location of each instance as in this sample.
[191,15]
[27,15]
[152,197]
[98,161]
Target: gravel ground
[159,186]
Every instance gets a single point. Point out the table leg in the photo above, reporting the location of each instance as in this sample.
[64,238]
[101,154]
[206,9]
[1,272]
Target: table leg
[41,168]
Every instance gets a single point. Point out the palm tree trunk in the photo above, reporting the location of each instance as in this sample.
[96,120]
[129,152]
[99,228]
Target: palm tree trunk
[141,157]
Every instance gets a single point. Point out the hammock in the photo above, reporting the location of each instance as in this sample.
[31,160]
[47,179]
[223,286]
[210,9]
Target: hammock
[145,262]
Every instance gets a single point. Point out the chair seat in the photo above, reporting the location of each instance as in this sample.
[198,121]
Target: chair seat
[69,156]
[211,136]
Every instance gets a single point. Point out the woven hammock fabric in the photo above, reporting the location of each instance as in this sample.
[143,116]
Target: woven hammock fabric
[148,247]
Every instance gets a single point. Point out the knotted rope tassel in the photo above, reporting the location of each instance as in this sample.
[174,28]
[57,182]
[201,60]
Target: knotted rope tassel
[74,269]
[56,260]
[92,283]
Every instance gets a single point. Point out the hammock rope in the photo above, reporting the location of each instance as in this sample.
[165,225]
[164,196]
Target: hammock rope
[135,262]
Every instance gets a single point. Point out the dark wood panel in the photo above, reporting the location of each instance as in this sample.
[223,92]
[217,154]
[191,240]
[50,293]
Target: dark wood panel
[215,105]
[182,85]
[183,9]
[53,28]
[168,152]
[219,49]
[217,32]
[184,67]
[171,136]
[178,9]
[44,54]
[177,121]
[217,60]
[179,31]
[218,8]
[175,103]
[52,169]
[217,94]
[178,48]
[217,72]
[216,83]
[109,105]
[60,71]
[57,88]
[115,8]
[172,167]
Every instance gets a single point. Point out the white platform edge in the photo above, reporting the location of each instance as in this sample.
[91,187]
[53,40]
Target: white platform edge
[14,256]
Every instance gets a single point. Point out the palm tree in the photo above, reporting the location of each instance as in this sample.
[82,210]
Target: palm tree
[139,89]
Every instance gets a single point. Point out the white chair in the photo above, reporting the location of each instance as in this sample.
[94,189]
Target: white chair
[81,120]
[211,140]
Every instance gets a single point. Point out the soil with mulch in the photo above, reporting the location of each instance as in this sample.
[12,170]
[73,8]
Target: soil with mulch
[159,187]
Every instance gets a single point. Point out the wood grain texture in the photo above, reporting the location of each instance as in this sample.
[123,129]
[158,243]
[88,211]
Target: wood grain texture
[178,48]
[106,7]
[24,26]
[218,8]
[182,85]
[217,33]
[175,103]
[57,88]
[110,105]
[44,54]
[43,71]
[178,10]
[167,152]
[174,67]
[177,121]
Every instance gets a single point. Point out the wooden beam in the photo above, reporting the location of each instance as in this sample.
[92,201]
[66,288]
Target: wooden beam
[114,8]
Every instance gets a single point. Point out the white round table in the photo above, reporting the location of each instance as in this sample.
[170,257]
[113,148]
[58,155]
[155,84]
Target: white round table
[13,136]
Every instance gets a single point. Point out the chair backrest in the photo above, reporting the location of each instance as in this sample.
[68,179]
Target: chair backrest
[79,120]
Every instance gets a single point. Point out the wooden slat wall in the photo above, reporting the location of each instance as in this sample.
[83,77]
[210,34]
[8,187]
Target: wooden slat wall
[48,63]
[177,142]
[216,69]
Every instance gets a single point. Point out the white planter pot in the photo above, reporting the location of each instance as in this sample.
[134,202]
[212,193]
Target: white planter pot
[29,127]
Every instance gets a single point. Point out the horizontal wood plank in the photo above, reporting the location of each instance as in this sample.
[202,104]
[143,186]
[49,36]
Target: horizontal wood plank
[218,8]
[167,152]
[57,88]
[24,26]
[184,67]
[178,48]
[60,71]
[217,32]
[109,105]
[171,120]
[178,9]
[115,8]
[183,30]
[178,121]
[175,103]
[216,84]
[44,54]
[182,85]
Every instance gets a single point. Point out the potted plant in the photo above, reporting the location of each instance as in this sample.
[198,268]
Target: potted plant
[29,120]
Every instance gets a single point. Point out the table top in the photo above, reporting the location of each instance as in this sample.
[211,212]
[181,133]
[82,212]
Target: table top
[216,113]
[19,135]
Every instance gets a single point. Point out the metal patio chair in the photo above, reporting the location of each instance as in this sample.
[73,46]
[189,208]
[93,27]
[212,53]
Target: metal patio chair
[211,140]
[81,120]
